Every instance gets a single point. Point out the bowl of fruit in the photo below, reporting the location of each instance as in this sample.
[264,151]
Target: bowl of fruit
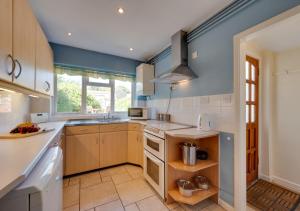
[27,127]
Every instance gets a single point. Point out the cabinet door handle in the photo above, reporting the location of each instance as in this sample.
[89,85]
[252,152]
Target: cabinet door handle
[13,65]
[20,68]
[47,89]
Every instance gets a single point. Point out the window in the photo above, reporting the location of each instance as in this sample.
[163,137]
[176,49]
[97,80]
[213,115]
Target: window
[91,93]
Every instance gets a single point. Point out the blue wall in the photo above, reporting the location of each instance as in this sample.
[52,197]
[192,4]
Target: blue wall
[76,57]
[214,64]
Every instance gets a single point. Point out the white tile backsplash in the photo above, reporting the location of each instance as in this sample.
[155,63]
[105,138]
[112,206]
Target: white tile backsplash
[18,112]
[185,110]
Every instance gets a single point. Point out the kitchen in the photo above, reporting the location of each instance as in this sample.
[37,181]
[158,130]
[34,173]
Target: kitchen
[136,114]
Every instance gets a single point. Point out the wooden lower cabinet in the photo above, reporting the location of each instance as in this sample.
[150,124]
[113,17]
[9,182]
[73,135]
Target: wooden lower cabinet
[135,147]
[113,148]
[82,153]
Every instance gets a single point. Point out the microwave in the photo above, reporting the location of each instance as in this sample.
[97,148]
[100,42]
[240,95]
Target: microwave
[139,113]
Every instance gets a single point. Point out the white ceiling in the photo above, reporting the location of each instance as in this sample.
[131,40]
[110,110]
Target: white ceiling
[281,36]
[146,25]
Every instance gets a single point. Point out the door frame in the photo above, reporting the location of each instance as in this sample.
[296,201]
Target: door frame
[239,54]
[254,55]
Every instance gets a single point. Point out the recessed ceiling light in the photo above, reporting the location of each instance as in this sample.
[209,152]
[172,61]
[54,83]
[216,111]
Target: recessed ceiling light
[120,10]
[69,34]
[131,49]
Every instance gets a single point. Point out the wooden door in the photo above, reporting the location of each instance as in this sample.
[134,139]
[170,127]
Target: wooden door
[113,148]
[24,35]
[6,60]
[82,153]
[252,87]
[44,64]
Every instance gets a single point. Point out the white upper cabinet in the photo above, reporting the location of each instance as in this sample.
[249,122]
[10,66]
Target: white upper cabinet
[6,59]
[26,59]
[44,64]
[144,75]
[24,35]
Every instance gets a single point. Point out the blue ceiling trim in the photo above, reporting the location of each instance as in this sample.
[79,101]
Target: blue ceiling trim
[222,15]
[160,56]
[219,17]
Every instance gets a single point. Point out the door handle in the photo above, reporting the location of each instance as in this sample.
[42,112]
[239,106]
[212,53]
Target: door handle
[13,64]
[48,86]
[20,69]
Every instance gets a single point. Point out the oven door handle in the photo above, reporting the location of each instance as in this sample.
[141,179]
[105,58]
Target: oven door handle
[153,138]
[154,159]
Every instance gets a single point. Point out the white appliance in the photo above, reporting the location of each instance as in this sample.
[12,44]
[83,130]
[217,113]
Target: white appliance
[42,190]
[39,117]
[139,113]
[154,153]
[204,122]
[144,75]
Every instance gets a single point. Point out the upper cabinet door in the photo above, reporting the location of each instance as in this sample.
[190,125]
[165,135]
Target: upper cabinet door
[6,60]
[44,64]
[24,33]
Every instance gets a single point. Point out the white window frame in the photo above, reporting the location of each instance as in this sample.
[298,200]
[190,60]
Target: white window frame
[85,83]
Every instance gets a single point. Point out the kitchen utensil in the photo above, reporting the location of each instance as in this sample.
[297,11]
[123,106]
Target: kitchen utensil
[201,154]
[186,187]
[189,154]
[163,117]
[203,122]
[201,182]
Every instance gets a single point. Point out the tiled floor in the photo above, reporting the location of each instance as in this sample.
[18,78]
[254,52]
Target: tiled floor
[119,188]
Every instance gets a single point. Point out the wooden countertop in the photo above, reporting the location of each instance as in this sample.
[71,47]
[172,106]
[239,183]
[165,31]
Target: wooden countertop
[192,133]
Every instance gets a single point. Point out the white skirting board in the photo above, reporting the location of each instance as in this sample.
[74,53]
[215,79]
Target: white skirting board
[264,177]
[281,182]
[225,205]
[286,184]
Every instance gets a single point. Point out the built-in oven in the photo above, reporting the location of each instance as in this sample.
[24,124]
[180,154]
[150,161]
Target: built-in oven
[155,145]
[154,172]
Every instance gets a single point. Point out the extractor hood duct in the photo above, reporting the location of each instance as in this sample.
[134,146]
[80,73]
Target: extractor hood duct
[180,70]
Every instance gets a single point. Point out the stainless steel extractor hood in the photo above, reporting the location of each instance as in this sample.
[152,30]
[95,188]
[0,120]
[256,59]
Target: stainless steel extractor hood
[180,70]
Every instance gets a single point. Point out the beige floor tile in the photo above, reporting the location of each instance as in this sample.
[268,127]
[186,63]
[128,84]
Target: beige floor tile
[74,180]
[97,195]
[121,178]
[111,206]
[72,208]
[113,171]
[134,191]
[134,171]
[151,204]
[172,206]
[106,179]
[215,207]
[178,209]
[70,196]
[132,207]
[90,179]
[250,208]
[200,206]
[66,182]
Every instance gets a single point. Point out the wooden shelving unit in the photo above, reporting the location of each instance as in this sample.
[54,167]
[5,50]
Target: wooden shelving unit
[196,198]
[177,170]
[201,165]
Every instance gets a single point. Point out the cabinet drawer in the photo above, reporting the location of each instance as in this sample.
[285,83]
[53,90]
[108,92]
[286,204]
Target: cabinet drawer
[135,127]
[113,127]
[76,130]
